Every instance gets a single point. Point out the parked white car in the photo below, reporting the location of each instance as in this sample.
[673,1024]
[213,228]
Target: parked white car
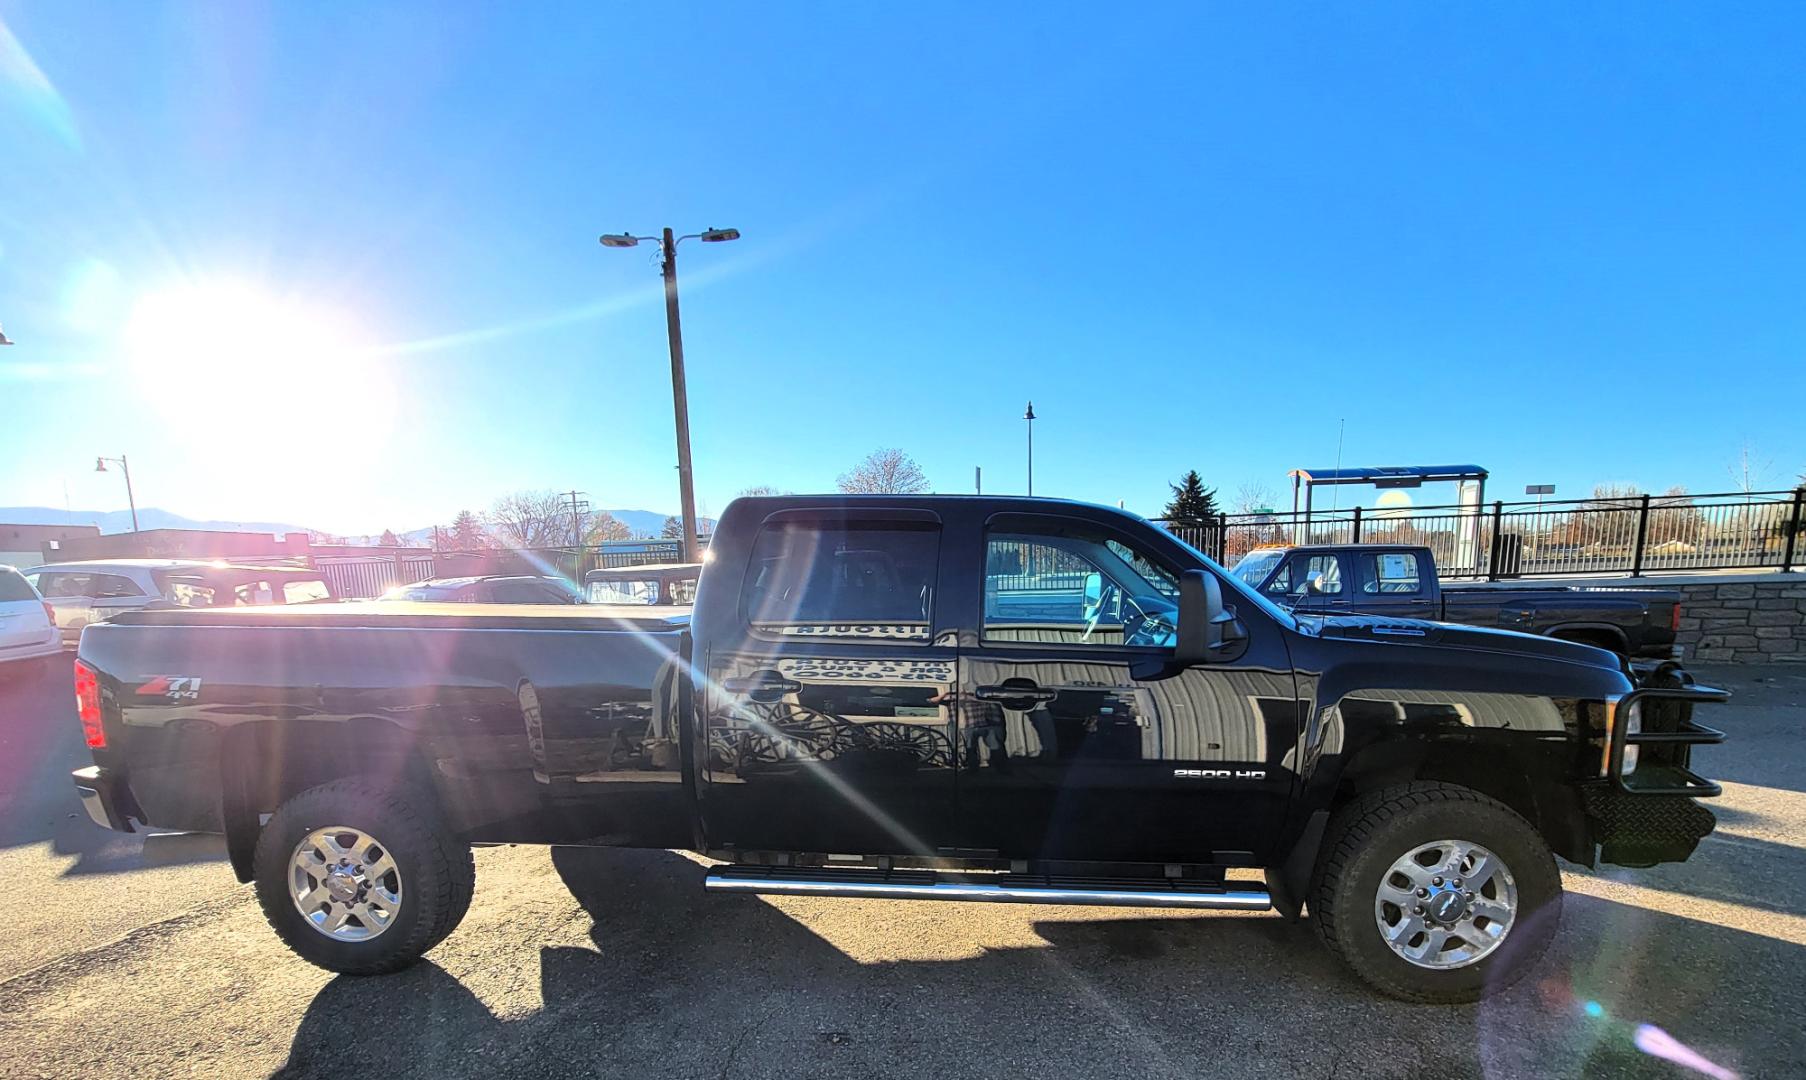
[85,592]
[27,625]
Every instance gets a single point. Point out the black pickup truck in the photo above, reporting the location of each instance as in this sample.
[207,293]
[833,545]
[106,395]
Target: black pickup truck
[909,697]
[1401,580]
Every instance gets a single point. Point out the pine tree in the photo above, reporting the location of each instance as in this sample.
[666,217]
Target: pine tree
[1192,502]
[389,539]
[673,530]
[467,532]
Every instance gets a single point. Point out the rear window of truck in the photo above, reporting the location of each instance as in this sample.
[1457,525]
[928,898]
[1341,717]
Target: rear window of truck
[843,580]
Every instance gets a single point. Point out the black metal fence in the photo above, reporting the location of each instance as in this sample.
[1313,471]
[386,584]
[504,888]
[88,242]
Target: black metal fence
[1636,535]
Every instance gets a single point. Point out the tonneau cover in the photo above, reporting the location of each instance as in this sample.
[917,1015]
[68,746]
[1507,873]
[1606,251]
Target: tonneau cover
[393,614]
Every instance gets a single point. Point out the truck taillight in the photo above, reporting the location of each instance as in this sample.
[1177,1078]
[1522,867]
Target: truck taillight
[49,612]
[87,705]
[1674,620]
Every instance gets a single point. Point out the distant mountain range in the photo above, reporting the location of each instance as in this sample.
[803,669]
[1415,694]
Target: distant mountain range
[642,522]
[118,521]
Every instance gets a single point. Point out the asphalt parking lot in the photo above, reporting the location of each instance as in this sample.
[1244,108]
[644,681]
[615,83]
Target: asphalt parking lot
[141,956]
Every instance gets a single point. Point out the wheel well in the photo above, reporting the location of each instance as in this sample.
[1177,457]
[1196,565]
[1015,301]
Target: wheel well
[1611,640]
[263,765]
[1552,807]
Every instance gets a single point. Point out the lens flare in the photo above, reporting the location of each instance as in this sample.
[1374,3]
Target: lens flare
[1655,1042]
[24,84]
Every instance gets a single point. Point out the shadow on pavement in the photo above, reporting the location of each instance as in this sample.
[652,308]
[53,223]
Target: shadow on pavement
[683,983]
[40,744]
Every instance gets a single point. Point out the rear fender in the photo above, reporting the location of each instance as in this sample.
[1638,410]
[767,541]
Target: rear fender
[262,765]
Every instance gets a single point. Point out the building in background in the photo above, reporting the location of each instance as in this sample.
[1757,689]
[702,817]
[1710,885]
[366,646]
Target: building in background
[23,545]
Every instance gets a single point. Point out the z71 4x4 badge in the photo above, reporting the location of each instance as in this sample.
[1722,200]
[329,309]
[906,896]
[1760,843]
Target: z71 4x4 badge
[172,688]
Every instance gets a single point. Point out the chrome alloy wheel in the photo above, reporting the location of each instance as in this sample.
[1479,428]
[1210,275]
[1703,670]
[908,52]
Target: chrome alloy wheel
[1446,904]
[344,883]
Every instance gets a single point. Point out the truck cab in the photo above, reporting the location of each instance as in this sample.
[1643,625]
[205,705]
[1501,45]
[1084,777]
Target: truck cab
[1371,579]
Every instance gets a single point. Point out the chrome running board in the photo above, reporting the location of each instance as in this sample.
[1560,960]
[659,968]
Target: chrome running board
[1006,889]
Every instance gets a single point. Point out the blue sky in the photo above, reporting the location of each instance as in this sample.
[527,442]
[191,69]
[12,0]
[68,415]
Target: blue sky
[1565,244]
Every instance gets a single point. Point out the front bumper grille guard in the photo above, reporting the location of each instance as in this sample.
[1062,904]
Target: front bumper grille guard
[1667,777]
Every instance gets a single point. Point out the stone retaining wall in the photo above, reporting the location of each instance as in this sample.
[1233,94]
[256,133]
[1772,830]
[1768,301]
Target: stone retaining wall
[1744,622]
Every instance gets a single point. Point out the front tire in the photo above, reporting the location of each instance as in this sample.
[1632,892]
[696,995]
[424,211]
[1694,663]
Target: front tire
[359,879]
[1436,893]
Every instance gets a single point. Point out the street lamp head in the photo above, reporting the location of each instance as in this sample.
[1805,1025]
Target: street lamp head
[1030,414]
[717,236]
[100,464]
[619,240]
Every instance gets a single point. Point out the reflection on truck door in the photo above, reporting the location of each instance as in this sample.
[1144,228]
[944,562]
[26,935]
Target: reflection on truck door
[826,708]
[1065,752]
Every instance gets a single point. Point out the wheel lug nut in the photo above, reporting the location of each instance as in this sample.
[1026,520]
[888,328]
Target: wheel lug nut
[1436,881]
[1417,909]
[1457,883]
[1423,892]
[1467,895]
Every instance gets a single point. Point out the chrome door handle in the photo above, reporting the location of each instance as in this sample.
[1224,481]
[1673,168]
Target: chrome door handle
[1034,695]
[762,685]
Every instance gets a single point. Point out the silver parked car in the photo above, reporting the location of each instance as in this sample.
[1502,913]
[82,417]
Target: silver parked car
[27,631]
[85,592]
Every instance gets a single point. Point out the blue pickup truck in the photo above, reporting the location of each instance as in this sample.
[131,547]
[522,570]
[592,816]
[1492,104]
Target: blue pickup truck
[1401,581]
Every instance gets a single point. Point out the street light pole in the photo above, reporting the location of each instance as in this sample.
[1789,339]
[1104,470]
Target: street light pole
[1030,417]
[680,401]
[680,398]
[100,465]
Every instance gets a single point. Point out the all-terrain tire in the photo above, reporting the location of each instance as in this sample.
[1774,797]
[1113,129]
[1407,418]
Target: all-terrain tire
[1364,840]
[435,868]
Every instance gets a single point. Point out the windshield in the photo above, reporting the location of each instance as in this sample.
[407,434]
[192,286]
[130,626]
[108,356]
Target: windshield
[1256,565]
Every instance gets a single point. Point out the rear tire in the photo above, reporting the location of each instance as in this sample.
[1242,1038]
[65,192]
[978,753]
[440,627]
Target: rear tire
[1384,846]
[382,878]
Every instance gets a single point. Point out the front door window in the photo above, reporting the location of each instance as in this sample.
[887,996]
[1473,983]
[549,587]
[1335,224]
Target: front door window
[1064,753]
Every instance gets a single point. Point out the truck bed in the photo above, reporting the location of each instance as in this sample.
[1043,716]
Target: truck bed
[529,720]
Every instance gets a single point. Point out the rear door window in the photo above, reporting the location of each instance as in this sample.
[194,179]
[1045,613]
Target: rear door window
[112,585]
[63,584]
[1390,572]
[843,580]
[14,587]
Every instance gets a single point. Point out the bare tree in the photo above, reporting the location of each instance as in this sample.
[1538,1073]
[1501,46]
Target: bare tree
[758,491]
[531,519]
[1609,495]
[1749,471]
[605,526]
[1252,496]
[886,471]
[1676,518]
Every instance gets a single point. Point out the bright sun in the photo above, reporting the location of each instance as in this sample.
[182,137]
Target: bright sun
[234,367]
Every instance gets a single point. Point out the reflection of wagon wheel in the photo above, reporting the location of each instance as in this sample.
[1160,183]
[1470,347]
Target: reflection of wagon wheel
[925,744]
[772,732]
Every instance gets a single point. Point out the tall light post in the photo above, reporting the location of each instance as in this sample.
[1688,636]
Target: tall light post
[1030,417]
[100,465]
[680,399]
